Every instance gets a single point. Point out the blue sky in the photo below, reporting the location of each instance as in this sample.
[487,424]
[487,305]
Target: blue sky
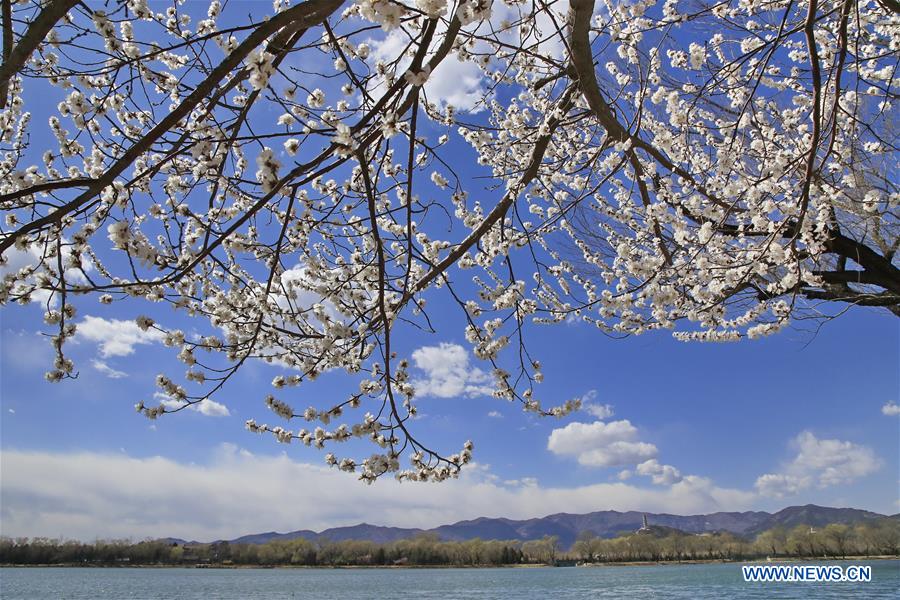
[803,416]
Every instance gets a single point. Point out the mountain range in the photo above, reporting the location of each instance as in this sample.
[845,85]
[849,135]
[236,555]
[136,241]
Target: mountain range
[605,523]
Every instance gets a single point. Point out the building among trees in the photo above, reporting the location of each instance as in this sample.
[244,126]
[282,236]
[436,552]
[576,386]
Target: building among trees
[645,526]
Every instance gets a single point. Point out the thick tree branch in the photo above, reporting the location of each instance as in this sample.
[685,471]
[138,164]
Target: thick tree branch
[881,270]
[51,13]
[7,48]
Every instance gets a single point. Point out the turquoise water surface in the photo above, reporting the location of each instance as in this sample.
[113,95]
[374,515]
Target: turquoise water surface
[666,581]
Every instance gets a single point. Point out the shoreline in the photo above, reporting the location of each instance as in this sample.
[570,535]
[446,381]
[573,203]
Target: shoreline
[708,561]
[220,566]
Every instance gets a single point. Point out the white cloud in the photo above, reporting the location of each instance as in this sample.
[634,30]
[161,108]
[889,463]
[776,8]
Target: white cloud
[295,294]
[211,408]
[496,414]
[577,437]
[823,463]
[617,454]
[206,407]
[115,337]
[448,373]
[86,495]
[454,82]
[891,409]
[601,444]
[834,461]
[598,411]
[661,474]
[459,84]
[778,485]
[525,481]
[107,370]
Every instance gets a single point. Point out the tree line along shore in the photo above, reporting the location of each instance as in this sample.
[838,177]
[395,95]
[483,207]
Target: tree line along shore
[657,544]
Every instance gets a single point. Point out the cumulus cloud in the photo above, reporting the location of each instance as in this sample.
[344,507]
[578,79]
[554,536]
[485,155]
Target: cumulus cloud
[820,463]
[496,414]
[601,444]
[448,373]
[891,409]
[115,337]
[660,474]
[206,407]
[454,82]
[778,485]
[85,495]
[459,84]
[617,454]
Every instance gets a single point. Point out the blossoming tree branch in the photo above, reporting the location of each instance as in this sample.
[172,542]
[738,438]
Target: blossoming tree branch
[714,168]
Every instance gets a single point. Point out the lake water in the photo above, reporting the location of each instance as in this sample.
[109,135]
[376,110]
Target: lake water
[645,582]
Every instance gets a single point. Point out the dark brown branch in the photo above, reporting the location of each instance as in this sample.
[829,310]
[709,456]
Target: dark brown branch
[886,300]
[7,48]
[815,71]
[861,277]
[890,6]
[883,272]
[47,186]
[583,63]
[37,30]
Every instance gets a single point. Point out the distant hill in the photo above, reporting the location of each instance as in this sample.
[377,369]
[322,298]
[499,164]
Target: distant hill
[606,523]
[262,538]
[816,516]
[363,531]
[372,533]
